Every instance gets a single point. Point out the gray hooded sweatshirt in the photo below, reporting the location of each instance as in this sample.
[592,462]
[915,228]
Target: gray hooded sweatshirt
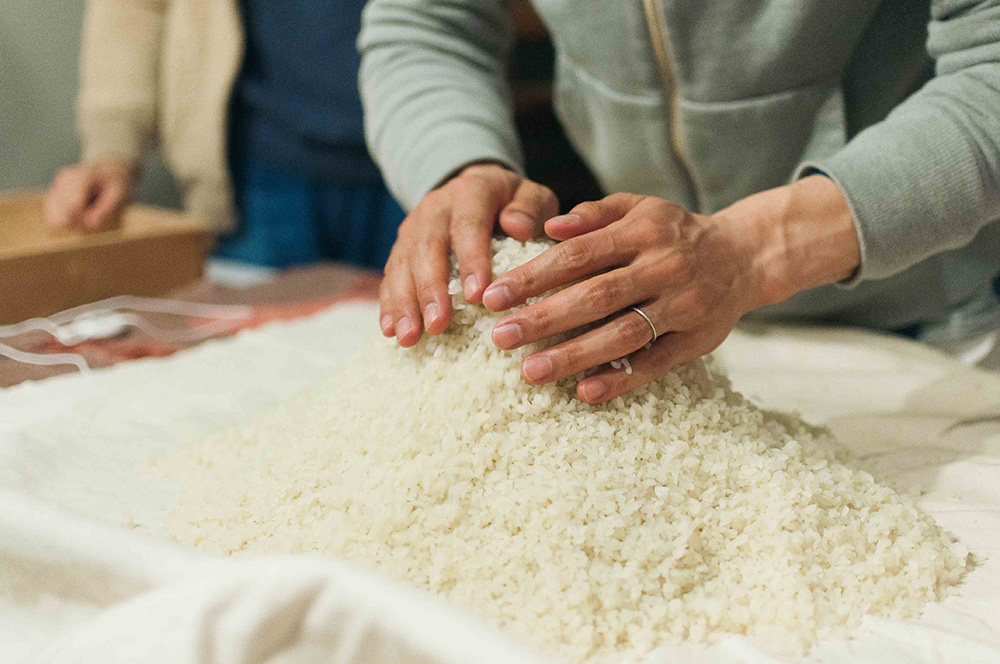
[704,102]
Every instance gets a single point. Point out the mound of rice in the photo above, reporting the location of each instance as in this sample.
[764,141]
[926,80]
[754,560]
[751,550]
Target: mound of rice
[597,533]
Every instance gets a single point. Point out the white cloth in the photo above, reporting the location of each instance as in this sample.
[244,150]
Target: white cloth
[86,573]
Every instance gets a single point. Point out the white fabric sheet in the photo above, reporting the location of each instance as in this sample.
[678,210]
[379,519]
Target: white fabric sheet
[86,573]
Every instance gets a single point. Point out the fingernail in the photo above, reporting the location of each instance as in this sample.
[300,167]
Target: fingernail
[403,327]
[386,323]
[507,335]
[593,390]
[430,313]
[497,297]
[566,218]
[470,286]
[537,368]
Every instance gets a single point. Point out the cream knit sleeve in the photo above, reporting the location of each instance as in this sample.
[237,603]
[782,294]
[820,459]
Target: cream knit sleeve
[119,59]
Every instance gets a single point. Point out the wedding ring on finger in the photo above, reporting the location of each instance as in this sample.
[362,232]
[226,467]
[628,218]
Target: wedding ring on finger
[652,328]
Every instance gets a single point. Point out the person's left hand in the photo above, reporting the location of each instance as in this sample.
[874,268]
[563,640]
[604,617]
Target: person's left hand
[693,275]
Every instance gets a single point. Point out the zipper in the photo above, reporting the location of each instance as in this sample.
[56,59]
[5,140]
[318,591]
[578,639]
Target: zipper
[655,19]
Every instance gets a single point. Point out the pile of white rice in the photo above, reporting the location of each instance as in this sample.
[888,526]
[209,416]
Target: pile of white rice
[597,533]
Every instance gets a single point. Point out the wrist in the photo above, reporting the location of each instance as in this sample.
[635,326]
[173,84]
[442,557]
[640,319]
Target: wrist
[802,236]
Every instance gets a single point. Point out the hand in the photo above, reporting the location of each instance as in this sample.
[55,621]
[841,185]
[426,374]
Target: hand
[89,197]
[459,216]
[693,275]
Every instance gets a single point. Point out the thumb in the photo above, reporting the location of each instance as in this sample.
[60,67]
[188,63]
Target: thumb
[591,215]
[105,211]
[524,216]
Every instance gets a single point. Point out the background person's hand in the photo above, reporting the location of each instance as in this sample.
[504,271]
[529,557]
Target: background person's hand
[89,197]
[458,216]
[694,275]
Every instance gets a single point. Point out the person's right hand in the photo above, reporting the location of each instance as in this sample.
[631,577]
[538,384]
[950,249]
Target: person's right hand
[89,197]
[458,216]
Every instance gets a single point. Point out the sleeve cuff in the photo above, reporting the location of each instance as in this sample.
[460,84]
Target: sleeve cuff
[911,196]
[814,168]
[112,139]
[440,154]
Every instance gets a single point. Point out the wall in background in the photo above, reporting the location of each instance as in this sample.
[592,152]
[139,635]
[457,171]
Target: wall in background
[39,49]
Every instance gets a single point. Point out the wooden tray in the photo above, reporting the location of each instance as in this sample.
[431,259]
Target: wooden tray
[155,251]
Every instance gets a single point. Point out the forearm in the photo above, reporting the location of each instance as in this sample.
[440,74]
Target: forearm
[800,236]
[433,82]
[120,51]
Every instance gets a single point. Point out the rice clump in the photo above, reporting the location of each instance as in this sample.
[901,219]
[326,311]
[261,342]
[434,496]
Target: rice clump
[596,533]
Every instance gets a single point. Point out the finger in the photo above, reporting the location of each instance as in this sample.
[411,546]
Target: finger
[524,217]
[556,266]
[648,364]
[386,320]
[53,209]
[105,211]
[472,218]
[401,297]
[591,216]
[430,280]
[616,338]
[578,305]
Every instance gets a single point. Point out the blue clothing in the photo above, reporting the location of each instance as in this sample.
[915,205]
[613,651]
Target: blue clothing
[289,219]
[306,189]
[296,99]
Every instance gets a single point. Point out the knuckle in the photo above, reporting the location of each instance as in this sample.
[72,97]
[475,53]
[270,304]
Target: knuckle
[609,293]
[432,205]
[392,263]
[690,307]
[587,209]
[696,306]
[521,278]
[651,231]
[679,267]
[655,229]
[407,228]
[542,322]
[428,246]
[459,185]
[699,309]
[539,191]
[465,224]
[426,290]
[619,383]
[430,202]
[475,183]
[567,360]
[476,264]
[575,255]
[632,330]
[603,295]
